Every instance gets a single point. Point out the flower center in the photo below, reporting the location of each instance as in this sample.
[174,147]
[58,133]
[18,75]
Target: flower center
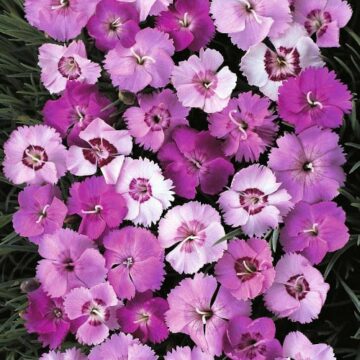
[69,265]
[205,83]
[317,21]
[140,189]
[69,68]
[128,262]
[141,59]
[60,4]
[115,25]
[158,118]
[78,115]
[96,311]
[241,125]
[205,314]
[308,167]
[57,312]
[313,103]
[251,345]
[34,157]
[253,200]
[42,214]
[190,234]
[102,152]
[184,22]
[297,287]
[142,317]
[313,231]
[246,268]
[196,161]
[97,210]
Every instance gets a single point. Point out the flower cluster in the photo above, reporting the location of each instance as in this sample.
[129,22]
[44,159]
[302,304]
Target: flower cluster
[130,208]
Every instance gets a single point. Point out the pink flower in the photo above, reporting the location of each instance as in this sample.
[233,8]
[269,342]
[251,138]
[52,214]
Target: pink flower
[298,292]
[246,268]
[34,155]
[69,354]
[188,23]
[98,204]
[95,308]
[135,261]
[195,312]
[143,317]
[246,125]
[146,192]
[323,18]
[248,339]
[149,7]
[314,230]
[124,347]
[62,19]
[185,353]
[156,117]
[60,64]
[148,62]
[194,159]
[113,23]
[267,69]
[313,171]
[78,105]
[41,212]
[70,260]
[315,97]
[248,22]
[255,201]
[199,83]
[190,231]
[105,149]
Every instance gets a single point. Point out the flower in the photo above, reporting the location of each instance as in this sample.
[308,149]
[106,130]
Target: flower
[95,308]
[98,204]
[309,164]
[185,353]
[246,125]
[105,148]
[34,155]
[298,292]
[298,346]
[313,230]
[60,64]
[143,316]
[70,261]
[146,192]
[149,7]
[41,212]
[78,105]
[195,311]
[69,354]
[61,19]
[199,84]
[323,18]
[113,23]
[190,231]
[315,97]
[188,23]
[156,117]
[135,261]
[248,22]
[46,317]
[122,346]
[267,69]
[148,62]
[247,339]
[194,159]
[246,268]
[255,201]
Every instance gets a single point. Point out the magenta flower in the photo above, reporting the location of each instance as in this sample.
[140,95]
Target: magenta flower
[105,149]
[314,230]
[248,22]
[185,353]
[323,18]
[70,261]
[143,316]
[46,317]
[195,312]
[95,308]
[41,212]
[255,201]
[246,125]
[62,19]
[267,69]
[150,7]
[34,155]
[190,232]
[298,292]
[156,117]
[98,204]
[315,97]
[313,171]
[113,23]
[121,346]
[148,62]
[135,261]
[78,105]
[248,339]
[60,64]
[199,82]
[146,192]
[188,23]
[246,268]
[69,354]
[194,159]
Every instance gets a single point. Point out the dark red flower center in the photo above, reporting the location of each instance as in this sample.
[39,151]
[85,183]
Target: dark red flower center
[57,312]
[96,311]
[246,268]
[253,200]
[34,157]
[140,189]
[69,265]
[102,152]
[297,286]
[69,68]
[251,345]
[317,21]
[158,118]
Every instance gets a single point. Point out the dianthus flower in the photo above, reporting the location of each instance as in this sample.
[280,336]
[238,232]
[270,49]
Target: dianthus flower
[186,353]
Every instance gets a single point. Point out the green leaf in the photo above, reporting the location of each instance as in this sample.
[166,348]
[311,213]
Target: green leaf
[229,236]
[353,297]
